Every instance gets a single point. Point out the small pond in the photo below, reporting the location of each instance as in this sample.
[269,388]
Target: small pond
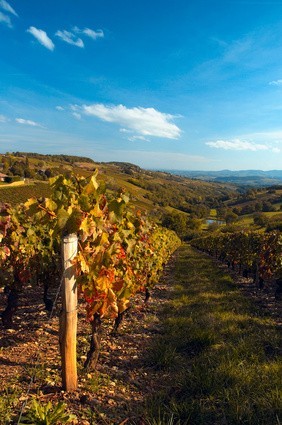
[211,221]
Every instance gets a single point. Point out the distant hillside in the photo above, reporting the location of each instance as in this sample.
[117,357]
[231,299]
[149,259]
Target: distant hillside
[241,178]
[187,203]
[151,191]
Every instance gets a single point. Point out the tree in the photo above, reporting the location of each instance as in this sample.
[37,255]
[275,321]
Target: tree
[230,217]
[177,222]
[48,173]
[260,219]
[267,206]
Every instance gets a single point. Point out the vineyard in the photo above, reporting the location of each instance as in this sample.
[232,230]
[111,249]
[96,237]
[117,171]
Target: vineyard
[187,342]
[120,253]
[14,195]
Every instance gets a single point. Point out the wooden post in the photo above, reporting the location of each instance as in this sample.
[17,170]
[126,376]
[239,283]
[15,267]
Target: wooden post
[68,319]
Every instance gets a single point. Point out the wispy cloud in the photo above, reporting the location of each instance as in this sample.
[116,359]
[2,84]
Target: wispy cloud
[74,37]
[42,37]
[90,33]
[7,7]
[5,19]
[142,121]
[93,34]
[75,107]
[60,108]
[3,119]
[28,122]
[275,83]
[133,138]
[70,38]
[238,49]
[76,115]
[237,145]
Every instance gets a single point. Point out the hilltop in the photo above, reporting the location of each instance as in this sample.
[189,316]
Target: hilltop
[185,204]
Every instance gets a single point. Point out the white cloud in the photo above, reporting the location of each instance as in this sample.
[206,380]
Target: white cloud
[60,108]
[142,121]
[89,32]
[76,115]
[264,136]
[270,141]
[75,107]
[275,83]
[5,19]
[237,145]
[3,118]
[28,122]
[42,37]
[70,38]
[5,6]
[133,138]
[130,135]
[93,34]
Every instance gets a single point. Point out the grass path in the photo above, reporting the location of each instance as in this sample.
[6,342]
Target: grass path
[217,354]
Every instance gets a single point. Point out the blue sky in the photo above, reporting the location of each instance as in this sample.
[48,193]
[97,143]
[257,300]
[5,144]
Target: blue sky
[171,84]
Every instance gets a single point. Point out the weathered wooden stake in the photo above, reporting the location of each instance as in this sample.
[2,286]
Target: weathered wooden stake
[68,319]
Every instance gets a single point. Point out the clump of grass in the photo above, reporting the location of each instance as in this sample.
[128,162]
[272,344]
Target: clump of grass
[9,399]
[158,413]
[162,355]
[95,381]
[224,353]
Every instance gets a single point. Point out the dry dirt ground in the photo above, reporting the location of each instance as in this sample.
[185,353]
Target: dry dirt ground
[116,392]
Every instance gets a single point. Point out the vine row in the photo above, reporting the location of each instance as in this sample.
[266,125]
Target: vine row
[120,252]
[252,253]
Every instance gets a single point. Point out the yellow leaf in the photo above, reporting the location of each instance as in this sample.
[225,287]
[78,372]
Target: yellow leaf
[50,205]
[111,295]
[104,239]
[92,186]
[96,211]
[102,283]
[122,305]
[82,262]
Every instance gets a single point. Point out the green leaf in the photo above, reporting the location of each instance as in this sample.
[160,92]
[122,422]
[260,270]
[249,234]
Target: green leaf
[117,206]
[74,221]
[62,218]
[31,206]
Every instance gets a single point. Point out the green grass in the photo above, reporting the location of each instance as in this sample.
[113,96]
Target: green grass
[9,399]
[219,355]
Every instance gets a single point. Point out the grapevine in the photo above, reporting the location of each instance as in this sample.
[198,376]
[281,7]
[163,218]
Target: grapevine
[250,251]
[120,252]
